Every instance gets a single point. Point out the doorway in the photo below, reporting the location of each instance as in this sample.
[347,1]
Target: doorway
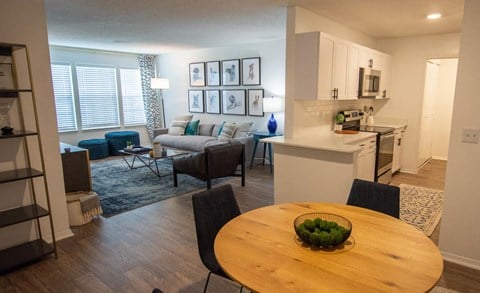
[439,92]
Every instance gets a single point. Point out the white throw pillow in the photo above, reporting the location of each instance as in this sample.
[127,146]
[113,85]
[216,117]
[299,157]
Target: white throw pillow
[177,128]
[228,131]
[243,129]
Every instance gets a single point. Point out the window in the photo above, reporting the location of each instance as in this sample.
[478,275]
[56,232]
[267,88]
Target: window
[97,93]
[132,99]
[64,103]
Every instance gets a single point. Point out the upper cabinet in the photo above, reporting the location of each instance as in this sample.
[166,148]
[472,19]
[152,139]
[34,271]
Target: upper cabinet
[327,67]
[322,67]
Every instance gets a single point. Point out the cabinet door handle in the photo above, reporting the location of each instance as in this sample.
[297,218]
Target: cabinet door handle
[333,93]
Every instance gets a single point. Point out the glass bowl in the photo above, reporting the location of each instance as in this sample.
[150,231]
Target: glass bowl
[322,229]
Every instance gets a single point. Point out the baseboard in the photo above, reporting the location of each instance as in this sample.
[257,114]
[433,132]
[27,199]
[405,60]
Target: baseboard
[461,260]
[410,171]
[440,158]
[58,236]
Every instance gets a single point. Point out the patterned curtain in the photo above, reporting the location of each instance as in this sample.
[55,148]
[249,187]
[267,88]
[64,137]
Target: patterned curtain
[151,100]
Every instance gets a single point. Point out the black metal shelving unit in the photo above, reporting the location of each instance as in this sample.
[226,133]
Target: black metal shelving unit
[27,251]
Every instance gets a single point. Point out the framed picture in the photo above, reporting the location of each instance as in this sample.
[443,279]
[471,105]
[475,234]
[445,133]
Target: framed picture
[213,73]
[197,74]
[255,102]
[6,76]
[231,72]
[233,102]
[195,101]
[251,71]
[212,101]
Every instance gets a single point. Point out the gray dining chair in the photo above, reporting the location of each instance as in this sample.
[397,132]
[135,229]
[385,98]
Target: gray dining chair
[375,196]
[212,209]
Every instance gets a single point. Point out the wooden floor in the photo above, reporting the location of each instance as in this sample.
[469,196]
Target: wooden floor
[155,246]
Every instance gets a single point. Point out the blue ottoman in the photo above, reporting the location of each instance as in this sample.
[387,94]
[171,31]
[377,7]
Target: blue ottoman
[97,148]
[117,140]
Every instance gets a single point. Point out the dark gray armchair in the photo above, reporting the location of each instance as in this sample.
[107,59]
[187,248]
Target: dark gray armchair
[214,162]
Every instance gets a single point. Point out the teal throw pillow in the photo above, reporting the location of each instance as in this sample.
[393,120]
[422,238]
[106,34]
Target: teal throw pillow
[220,129]
[192,128]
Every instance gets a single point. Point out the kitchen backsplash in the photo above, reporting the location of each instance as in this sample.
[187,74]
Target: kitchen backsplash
[323,112]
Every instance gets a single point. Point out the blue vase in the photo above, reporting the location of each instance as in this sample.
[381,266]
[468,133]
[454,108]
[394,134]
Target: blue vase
[272,125]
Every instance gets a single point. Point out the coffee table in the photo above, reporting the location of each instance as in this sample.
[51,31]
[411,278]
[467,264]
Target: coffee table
[146,160]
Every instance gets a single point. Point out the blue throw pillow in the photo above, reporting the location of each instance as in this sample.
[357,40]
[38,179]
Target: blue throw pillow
[220,129]
[192,128]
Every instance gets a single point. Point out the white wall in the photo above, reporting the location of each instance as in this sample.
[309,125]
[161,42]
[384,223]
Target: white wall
[407,85]
[447,77]
[23,22]
[75,57]
[175,67]
[459,233]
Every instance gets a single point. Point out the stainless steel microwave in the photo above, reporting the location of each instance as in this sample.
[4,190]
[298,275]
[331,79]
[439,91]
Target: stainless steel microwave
[369,83]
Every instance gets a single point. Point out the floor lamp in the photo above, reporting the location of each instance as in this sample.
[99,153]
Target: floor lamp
[160,84]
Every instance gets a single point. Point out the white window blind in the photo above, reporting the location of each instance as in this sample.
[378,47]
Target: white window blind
[64,103]
[97,93]
[132,99]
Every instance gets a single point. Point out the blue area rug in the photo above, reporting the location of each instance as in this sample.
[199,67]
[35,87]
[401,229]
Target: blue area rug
[121,189]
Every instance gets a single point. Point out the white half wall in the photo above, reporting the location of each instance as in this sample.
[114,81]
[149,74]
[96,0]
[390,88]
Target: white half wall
[175,67]
[408,80]
[23,22]
[459,233]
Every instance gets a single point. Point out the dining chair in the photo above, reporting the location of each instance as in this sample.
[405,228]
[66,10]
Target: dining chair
[212,209]
[375,196]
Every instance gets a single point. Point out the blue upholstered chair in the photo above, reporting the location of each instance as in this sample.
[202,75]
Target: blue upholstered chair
[375,196]
[212,209]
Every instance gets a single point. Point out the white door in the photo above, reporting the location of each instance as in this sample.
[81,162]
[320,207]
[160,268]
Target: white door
[325,67]
[426,128]
[340,68]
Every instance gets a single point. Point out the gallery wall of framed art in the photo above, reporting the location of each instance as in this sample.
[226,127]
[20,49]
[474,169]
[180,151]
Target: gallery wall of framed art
[216,79]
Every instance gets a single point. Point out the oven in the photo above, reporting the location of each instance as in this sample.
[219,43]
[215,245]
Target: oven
[383,169]
[385,143]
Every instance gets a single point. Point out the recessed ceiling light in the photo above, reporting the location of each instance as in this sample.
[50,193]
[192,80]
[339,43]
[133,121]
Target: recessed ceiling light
[434,16]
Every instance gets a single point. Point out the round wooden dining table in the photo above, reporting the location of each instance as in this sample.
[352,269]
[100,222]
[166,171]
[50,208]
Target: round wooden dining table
[260,250]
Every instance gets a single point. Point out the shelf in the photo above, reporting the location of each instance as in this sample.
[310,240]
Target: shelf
[19,174]
[22,254]
[12,93]
[18,133]
[21,214]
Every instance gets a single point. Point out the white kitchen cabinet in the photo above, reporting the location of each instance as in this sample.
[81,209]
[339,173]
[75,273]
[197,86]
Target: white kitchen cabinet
[366,159]
[321,67]
[398,149]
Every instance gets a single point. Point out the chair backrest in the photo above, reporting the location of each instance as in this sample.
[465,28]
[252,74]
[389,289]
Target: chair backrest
[223,159]
[375,196]
[212,209]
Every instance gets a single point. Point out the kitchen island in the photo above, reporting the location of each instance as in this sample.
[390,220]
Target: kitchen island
[317,168]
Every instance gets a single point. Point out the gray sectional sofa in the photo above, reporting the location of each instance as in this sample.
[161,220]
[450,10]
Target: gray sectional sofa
[207,136]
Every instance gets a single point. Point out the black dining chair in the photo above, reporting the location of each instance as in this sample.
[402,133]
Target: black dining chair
[212,209]
[375,196]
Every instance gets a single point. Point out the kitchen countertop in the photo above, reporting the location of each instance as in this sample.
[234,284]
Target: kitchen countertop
[331,141]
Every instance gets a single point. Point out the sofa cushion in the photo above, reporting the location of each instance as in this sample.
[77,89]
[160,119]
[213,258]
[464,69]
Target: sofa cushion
[244,129]
[217,129]
[196,143]
[228,130]
[192,127]
[205,129]
[177,128]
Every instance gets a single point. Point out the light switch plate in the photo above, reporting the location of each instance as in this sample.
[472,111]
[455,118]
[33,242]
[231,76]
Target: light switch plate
[471,135]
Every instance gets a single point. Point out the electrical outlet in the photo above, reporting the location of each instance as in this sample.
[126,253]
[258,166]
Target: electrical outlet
[471,135]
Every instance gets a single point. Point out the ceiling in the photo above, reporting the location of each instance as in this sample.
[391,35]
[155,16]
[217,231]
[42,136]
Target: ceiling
[159,26]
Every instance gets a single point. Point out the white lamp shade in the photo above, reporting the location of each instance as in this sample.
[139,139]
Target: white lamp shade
[272,104]
[159,83]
